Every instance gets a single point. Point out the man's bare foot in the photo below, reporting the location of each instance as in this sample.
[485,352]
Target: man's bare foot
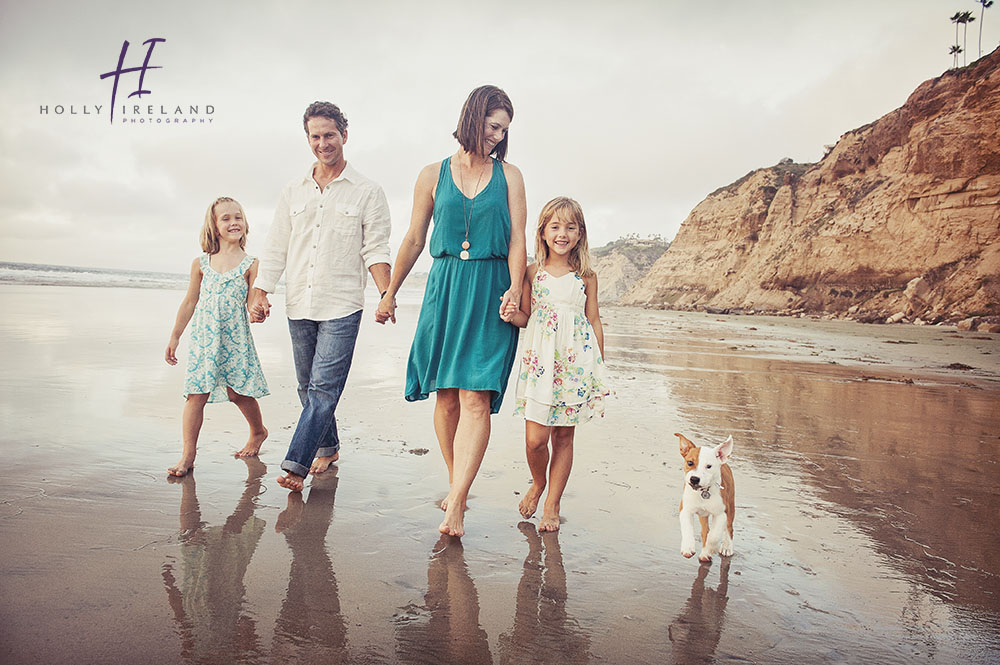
[549,521]
[291,515]
[292,482]
[181,468]
[529,504]
[453,524]
[253,445]
[321,464]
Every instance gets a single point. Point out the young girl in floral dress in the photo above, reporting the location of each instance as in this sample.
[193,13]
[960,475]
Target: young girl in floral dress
[560,381]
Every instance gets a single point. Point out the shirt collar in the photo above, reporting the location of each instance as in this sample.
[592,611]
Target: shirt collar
[348,174]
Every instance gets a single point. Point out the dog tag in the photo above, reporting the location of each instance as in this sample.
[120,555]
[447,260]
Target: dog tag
[464,255]
[705,494]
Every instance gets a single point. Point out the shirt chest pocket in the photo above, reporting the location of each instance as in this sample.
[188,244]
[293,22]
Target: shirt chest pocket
[347,219]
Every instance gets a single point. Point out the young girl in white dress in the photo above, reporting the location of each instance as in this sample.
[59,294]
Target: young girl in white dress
[222,360]
[560,380]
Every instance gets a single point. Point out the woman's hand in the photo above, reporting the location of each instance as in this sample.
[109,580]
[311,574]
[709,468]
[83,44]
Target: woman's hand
[386,309]
[509,303]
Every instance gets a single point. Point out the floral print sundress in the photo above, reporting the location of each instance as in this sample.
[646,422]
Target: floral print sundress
[222,352]
[561,376]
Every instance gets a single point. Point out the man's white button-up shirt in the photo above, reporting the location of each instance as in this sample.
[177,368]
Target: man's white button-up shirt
[325,241]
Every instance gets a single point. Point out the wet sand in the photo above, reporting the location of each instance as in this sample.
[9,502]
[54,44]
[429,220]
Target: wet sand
[866,473]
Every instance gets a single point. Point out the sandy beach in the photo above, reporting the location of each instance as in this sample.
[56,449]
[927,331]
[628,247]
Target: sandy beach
[866,465]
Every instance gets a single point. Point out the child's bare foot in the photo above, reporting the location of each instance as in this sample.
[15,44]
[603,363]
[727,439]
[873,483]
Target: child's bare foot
[453,524]
[291,515]
[253,445]
[550,520]
[181,468]
[321,464]
[292,482]
[529,504]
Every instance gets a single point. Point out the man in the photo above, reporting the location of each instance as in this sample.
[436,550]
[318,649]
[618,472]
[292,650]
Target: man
[329,228]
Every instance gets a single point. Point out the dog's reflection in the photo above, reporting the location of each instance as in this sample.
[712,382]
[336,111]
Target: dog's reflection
[695,633]
[446,629]
[208,599]
[310,627]
[542,631]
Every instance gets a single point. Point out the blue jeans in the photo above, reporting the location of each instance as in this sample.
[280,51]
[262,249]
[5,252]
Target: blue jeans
[323,351]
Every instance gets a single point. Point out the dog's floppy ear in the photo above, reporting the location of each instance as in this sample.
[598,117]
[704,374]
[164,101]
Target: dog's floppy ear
[725,449]
[686,445]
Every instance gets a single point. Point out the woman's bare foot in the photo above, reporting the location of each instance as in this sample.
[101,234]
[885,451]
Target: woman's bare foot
[529,504]
[292,482]
[253,445]
[550,520]
[321,464]
[444,505]
[453,524]
[181,468]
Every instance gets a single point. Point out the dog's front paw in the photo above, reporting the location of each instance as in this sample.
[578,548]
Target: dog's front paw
[727,550]
[687,552]
[705,556]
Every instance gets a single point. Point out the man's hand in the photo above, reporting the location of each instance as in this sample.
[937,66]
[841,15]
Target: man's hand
[386,309]
[258,305]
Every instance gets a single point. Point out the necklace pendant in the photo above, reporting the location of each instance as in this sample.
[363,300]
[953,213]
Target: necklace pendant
[464,255]
[705,494]
[466,245]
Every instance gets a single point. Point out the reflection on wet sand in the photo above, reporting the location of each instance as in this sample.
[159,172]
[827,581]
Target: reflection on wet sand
[310,627]
[912,465]
[208,601]
[695,633]
[543,632]
[446,629]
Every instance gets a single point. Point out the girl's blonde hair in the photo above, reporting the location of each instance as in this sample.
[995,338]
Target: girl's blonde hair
[579,256]
[210,232]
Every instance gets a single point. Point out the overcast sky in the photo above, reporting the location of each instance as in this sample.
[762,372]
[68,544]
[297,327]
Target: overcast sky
[636,109]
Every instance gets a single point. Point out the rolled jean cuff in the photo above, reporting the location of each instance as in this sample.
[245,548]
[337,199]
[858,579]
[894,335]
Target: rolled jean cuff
[328,451]
[295,467]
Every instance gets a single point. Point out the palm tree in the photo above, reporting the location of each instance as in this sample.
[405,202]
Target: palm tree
[986,5]
[956,19]
[965,19]
[955,50]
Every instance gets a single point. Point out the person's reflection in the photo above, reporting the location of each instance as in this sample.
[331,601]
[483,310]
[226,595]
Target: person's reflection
[310,627]
[208,599]
[451,633]
[695,632]
[542,632]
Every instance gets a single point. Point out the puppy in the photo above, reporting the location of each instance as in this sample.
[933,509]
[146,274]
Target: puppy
[708,490]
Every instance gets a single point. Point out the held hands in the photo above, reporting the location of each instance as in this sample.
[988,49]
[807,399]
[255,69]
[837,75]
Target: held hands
[259,306]
[386,309]
[509,305]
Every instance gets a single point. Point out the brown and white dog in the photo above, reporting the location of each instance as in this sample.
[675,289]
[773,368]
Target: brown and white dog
[708,491]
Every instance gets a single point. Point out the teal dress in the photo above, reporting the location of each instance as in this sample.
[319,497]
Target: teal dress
[461,341]
[222,353]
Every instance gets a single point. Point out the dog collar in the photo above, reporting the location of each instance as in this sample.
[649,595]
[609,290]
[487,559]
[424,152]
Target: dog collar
[706,492]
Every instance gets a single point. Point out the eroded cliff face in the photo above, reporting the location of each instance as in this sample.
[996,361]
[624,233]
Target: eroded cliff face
[902,215]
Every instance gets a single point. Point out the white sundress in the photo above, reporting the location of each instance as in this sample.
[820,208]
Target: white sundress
[222,352]
[561,378]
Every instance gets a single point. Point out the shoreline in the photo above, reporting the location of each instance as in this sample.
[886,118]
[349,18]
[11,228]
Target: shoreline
[851,537]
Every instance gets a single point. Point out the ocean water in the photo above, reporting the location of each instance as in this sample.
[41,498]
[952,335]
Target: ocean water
[42,274]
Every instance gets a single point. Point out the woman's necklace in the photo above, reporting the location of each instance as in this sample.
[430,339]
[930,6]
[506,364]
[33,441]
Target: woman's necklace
[467,214]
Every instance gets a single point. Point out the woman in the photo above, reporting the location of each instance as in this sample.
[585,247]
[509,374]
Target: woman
[462,348]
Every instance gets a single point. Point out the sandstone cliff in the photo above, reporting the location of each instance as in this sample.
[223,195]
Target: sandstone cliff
[622,263]
[901,217]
